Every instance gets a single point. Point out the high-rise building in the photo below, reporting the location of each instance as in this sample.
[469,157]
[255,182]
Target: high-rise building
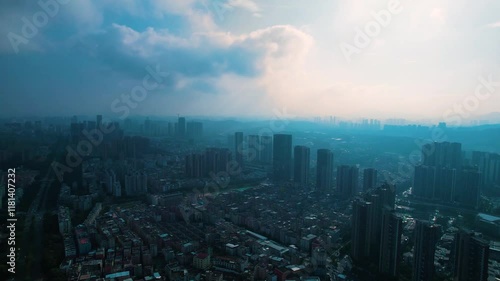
[438,176]
[492,173]
[375,225]
[282,157]
[135,183]
[444,183]
[369,179]
[447,184]
[390,243]
[489,166]
[181,127]
[426,237]
[266,153]
[239,150]
[423,181]
[212,161]
[117,189]
[195,166]
[471,257]
[216,160]
[442,154]
[99,121]
[466,191]
[324,170]
[382,197]
[302,155]
[361,229]
[347,181]
[254,148]
[387,193]
[109,181]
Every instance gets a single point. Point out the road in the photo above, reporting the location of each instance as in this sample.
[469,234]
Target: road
[35,213]
[414,202]
[36,273]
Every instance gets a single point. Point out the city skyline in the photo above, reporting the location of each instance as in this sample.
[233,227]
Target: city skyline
[241,140]
[179,190]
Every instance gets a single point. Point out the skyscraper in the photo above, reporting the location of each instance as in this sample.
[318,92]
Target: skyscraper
[195,166]
[181,127]
[282,157]
[443,154]
[136,183]
[301,165]
[390,243]
[471,257]
[444,183]
[361,229]
[467,188]
[382,198]
[387,194]
[347,181]
[216,160]
[489,166]
[492,170]
[109,180]
[238,148]
[117,189]
[426,237]
[369,179]
[423,181]
[324,170]
[99,121]
[438,176]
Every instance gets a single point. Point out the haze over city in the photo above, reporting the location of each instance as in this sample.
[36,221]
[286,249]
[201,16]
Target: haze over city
[250,140]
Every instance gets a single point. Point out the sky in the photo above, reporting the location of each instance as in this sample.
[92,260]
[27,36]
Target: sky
[427,59]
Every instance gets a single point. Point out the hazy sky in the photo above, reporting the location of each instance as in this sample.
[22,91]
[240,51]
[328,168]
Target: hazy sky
[421,59]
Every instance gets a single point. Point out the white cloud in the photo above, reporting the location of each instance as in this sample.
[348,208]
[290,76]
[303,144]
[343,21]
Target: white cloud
[493,25]
[438,14]
[407,65]
[248,5]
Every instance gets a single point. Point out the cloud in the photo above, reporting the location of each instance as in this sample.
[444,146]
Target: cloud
[493,25]
[92,52]
[247,5]
[209,54]
[438,14]
[244,4]
[204,54]
[222,71]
